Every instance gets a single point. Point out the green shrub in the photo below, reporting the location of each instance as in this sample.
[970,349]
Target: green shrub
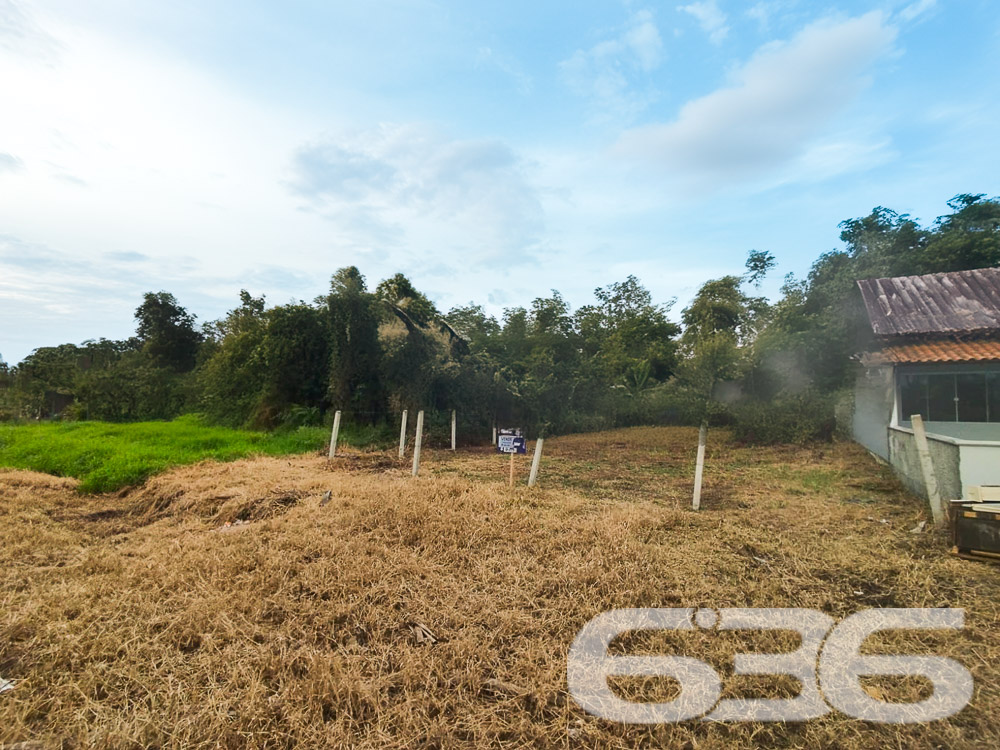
[787,419]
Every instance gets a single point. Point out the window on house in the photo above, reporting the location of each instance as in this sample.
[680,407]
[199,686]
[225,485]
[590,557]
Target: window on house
[951,397]
[912,396]
[993,396]
[970,395]
[941,399]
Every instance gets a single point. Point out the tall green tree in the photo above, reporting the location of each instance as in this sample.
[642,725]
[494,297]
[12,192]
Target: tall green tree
[295,355]
[967,238]
[46,379]
[232,379]
[720,327]
[352,315]
[167,333]
[629,340]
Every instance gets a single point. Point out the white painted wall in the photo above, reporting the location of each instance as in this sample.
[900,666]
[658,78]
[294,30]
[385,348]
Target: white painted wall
[979,465]
[873,402]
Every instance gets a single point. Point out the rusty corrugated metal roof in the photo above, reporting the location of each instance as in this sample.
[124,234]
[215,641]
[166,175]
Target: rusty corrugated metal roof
[939,350]
[958,302]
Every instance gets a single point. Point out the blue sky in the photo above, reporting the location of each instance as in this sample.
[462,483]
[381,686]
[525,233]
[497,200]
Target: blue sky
[490,151]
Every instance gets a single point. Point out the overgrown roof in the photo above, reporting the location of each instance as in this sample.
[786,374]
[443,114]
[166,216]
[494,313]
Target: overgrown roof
[957,302]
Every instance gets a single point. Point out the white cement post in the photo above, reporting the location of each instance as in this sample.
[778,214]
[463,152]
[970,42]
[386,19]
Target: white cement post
[535,461]
[494,441]
[417,442]
[699,466]
[454,423]
[927,468]
[402,436]
[334,434]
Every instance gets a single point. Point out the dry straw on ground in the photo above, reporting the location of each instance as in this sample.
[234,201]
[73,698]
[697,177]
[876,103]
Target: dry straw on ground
[438,611]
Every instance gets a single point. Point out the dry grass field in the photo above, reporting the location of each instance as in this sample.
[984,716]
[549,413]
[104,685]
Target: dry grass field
[438,611]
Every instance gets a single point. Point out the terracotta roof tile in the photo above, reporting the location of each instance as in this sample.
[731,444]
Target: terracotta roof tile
[942,350]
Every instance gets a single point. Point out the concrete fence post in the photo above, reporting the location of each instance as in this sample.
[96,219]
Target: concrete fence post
[699,466]
[418,442]
[535,461]
[334,434]
[927,468]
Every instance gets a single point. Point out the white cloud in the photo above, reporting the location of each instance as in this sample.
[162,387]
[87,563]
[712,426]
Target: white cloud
[68,294]
[487,57]
[778,102]
[605,73]
[918,8]
[110,128]
[838,156]
[642,38]
[710,17]
[761,13]
[409,188]
[349,173]
[80,298]
[831,157]
[21,34]
[10,163]
[765,11]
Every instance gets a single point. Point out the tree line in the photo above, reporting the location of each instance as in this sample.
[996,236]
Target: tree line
[772,370]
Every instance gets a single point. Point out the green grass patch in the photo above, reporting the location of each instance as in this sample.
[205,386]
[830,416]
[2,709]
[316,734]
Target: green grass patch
[106,457]
[822,480]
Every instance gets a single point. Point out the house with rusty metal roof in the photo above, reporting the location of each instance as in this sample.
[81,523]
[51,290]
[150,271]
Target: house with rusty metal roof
[936,353]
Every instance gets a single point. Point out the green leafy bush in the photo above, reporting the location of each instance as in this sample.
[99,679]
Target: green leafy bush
[787,419]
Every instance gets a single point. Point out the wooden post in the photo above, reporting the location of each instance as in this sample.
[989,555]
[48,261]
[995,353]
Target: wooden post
[511,483]
[927,468]
[535,461]
[699,466]
[417,442]
[334,434]
[402,436]
[454,421]
[494,442]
